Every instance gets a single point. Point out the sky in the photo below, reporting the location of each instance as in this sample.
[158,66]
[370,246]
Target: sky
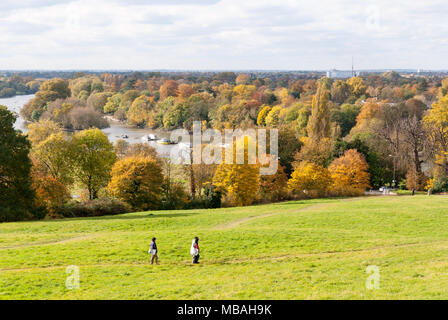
[223,34]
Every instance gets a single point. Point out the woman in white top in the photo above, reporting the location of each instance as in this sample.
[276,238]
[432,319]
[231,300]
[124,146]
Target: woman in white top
[194,250]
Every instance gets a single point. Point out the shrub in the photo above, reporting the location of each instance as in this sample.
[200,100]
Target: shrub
[440,185]
[93,208]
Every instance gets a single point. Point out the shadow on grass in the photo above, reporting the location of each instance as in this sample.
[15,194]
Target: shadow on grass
[128,216]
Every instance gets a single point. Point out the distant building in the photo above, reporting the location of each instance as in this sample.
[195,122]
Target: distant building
[334,74]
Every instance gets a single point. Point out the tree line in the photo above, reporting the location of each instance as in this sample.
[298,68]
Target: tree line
[336,138]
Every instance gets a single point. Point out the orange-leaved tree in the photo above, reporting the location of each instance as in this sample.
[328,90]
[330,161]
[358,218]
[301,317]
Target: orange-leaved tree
[350,174]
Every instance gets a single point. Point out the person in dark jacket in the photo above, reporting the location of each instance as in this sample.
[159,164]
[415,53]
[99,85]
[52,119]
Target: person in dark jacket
[153,251]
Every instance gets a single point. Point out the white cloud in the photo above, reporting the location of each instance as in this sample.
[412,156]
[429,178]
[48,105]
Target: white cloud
[226,34]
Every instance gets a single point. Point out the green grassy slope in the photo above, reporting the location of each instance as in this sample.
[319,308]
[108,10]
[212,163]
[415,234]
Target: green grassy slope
[317,249]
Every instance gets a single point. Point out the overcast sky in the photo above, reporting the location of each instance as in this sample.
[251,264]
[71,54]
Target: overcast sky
[224,35]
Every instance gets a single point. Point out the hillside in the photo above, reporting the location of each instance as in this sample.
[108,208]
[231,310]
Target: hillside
[317,249]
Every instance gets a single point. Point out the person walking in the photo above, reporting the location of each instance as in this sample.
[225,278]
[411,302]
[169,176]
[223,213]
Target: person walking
[194,250]
[153,251]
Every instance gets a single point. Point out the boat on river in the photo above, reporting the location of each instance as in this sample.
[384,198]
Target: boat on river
[165,141]
[149,137]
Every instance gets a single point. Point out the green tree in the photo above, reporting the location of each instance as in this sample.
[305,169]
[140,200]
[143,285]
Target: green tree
[93,157]
[54,157]
[16,194]
[345,117]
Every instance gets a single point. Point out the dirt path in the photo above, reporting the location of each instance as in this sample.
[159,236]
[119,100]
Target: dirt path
[236,223]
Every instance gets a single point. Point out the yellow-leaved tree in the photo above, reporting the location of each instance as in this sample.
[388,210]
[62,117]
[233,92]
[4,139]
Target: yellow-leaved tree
[310,180]
[261,119]
[137,181]
[436,125]
[350,174]
[239,183]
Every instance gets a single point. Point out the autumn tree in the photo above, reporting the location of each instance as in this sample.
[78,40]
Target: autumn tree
[340,91]
[261,119]
[273,187]
[310,180]
[138,113]
[349,174]
[242,79]
[169,89]
[39,131]
[54,157]
[137,181]
[436,125]
[357,86]
[185,91]
[93,159]
[49,91]
[238,182]
[273,117]
[318,145]
[50,192]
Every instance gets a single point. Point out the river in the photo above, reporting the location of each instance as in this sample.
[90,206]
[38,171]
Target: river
[114,132]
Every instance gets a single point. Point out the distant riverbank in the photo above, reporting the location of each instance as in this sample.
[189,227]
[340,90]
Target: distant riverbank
[115,131]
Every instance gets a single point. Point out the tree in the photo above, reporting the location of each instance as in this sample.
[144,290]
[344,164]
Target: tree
[113,103]
[137,181]
[238,182]
[169,89]
[16,193]
[319,122]
[273,117]
[349,174]
[185,91]
[357,86]
[436,125]
[318,145]
[244,92]
[242,79]
[40,131]
[288,146]
[340,91]
[50,192]
[345,117]
[414,138]
[261,119]
[138,113]
[54,157]
[94,157]
[175,117]
[98,100]
[50,90]
[273,187]
[310,180]
[142,150]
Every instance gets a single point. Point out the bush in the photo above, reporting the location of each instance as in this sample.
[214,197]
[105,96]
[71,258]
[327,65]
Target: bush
[440,185]
[93,208]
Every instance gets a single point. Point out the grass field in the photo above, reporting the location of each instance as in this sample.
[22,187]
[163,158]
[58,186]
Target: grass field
[317,249]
